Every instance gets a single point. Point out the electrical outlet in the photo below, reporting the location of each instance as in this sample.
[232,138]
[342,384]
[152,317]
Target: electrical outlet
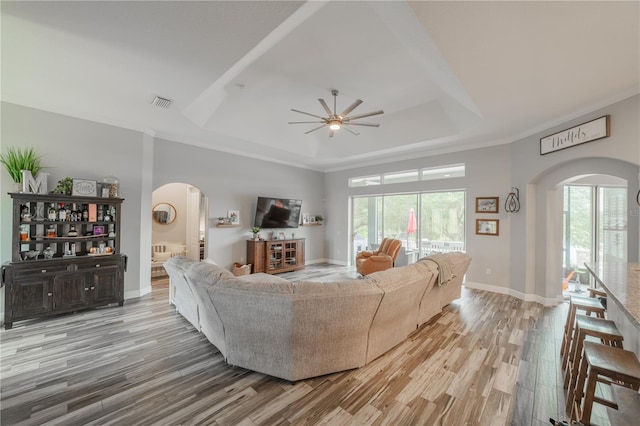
[338,251]
[488,271]
[241,259]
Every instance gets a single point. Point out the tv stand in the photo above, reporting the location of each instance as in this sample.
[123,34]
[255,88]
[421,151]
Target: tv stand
[275,256]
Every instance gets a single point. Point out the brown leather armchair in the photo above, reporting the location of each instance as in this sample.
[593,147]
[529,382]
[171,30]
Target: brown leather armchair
[368,262]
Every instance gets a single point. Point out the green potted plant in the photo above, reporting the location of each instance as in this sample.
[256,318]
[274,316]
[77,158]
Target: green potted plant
[64,186]
[17,159]
[319,219]
[255,230]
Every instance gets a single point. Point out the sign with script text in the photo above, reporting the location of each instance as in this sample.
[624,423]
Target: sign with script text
[586,132]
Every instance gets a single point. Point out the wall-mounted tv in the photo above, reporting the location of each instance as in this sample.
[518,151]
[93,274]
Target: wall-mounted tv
[277,213]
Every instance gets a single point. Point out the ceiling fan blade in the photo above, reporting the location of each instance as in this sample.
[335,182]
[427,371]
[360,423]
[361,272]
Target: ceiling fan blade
[307,113]
[351,123]
[369,114]
[344,126]
[350,108]
[305,122]
[325,106]
[313,130]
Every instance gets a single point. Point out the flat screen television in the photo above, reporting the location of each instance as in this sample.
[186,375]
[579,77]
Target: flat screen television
[277,213]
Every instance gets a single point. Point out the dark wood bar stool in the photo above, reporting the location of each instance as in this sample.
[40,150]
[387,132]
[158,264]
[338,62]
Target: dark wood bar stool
[600,328]
[605,364]
[628,412]
[589,306]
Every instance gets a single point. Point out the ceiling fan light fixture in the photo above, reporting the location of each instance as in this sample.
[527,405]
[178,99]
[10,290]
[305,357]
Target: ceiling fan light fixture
[335,124]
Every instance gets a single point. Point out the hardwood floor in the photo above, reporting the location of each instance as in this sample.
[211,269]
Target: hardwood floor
[489,359]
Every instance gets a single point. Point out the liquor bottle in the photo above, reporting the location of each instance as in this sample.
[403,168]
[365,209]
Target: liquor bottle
[74,213]
[85,214]
[51,214]
[68,216]
[72,231]
[62,213]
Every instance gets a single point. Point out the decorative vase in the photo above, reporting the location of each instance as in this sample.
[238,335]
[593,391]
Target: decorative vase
[17,186]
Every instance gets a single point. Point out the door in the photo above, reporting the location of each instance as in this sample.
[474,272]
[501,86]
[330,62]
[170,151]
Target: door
[70,291]
[105,285]
[33,297]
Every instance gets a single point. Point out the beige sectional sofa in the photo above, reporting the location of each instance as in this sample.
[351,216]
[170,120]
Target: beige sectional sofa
[305,329]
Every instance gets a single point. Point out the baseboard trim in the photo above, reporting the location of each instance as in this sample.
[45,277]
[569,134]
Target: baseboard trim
[330,261]
[133,294]
[545,301]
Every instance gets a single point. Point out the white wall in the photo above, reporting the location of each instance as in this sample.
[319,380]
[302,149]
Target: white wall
[525,259]
[534,242]
[176,231]
[78,149]
[487,174]
[233,182]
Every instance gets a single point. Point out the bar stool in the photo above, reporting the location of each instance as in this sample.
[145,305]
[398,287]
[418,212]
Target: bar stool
[600,328]
[628,411]
[589,305]
[601,363]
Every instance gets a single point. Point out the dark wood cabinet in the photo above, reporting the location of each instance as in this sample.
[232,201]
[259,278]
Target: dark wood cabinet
[56,270]
[276,256]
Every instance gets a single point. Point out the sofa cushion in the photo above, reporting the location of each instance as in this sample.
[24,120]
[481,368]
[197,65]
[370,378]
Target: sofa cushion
[209,273]
[264,284]
[342,287]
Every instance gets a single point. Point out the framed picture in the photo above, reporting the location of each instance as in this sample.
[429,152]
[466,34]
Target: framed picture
[305,218]
[487,227]
[312,219]
[98,230]
[83,187]
[234,217]
[487,204]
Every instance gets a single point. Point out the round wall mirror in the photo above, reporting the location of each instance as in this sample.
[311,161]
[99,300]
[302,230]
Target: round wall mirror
[164,213]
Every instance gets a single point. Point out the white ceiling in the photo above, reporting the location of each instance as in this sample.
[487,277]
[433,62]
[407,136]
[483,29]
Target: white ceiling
[449,75]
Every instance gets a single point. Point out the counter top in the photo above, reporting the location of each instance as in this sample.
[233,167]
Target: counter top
[621,280]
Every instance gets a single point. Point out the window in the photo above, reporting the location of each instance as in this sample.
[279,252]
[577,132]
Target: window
[428,173]
[364,181]
[425,222]
[400,177]
[442,172]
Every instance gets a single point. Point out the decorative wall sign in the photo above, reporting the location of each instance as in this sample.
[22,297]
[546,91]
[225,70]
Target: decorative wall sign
[586,132]
[84,187]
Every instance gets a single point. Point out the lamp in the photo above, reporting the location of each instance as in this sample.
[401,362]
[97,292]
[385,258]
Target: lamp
[335,124]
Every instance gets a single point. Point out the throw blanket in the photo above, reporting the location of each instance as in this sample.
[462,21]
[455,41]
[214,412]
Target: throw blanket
[445,268]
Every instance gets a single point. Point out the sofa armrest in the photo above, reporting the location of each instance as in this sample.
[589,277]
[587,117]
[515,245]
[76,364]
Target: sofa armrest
[381,258]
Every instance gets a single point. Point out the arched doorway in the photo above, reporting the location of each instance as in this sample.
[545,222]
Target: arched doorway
[545,220]
[179,215]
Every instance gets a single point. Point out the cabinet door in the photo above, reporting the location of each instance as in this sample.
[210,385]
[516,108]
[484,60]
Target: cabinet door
[70,291]
[32,296]
[105,285]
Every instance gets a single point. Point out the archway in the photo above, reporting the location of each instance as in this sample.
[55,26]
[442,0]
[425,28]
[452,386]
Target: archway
[178,224]
[544,269]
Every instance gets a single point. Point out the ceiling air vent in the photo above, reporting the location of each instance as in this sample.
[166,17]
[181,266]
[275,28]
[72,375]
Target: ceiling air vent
[161,102]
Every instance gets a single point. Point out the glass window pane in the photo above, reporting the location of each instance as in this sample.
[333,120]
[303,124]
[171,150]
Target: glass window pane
[401,222]
[613,224]
[443,172]
[400,177]
[442,222]
[365,224]
[364,181]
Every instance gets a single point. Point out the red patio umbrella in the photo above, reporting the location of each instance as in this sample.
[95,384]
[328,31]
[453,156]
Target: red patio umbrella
[412,224]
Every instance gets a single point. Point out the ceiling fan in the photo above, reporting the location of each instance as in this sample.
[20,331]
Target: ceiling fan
[337,121]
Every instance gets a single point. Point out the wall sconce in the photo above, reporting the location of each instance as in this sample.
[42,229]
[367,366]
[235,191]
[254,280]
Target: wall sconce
[512,203]
[638,198]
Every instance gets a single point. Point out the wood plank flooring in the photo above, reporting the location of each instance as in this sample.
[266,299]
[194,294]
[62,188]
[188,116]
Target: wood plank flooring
[489,359]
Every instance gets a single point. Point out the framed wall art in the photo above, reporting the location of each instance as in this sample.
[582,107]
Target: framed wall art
[487,227]
[234,217]
[487,204]
[585,132]
[85,188]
